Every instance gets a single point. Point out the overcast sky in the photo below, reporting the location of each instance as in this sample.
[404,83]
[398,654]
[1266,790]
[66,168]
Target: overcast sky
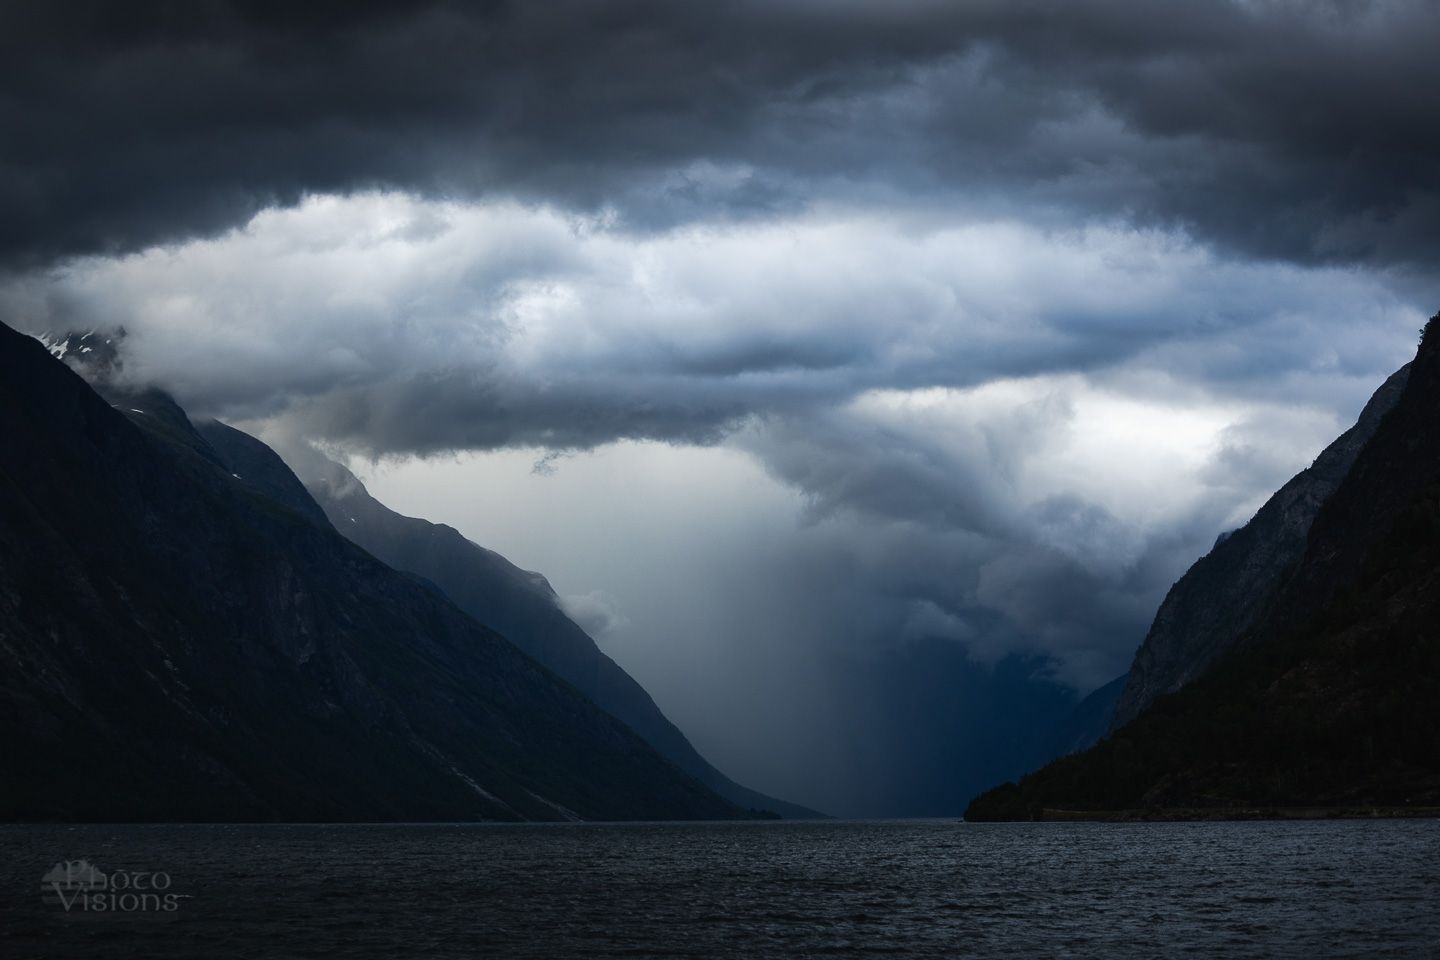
[767,330]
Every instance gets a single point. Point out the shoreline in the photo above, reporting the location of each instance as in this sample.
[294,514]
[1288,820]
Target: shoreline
[1181,814]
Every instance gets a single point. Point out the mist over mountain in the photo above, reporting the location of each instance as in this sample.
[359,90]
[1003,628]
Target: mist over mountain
[517,603]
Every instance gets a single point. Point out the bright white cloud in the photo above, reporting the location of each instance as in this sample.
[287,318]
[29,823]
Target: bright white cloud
[497,324]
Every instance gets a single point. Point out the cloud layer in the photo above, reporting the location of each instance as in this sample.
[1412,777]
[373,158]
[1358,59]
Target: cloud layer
[401,326]
[1017,435]
[1277,129]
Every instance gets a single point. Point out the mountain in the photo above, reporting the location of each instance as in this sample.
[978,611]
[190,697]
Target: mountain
[1212,606]
[183,641]
[98,352]
[251,460]
[1331,696]
[1089,721]
[517,603]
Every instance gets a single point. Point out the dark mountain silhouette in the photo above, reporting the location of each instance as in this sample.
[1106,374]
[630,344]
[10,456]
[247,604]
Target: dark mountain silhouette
[1217,600]
[517,603]
[181,643]
[1331,696]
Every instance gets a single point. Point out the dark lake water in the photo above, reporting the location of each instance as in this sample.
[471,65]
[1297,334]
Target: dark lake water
[904,889]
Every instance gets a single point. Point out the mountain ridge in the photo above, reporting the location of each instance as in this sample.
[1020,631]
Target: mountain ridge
[183,646]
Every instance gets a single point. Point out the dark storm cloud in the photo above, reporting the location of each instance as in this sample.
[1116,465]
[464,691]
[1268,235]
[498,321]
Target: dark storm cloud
[1279,129]
[457,410]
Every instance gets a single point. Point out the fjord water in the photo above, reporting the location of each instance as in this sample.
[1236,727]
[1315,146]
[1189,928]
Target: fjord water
[901,888]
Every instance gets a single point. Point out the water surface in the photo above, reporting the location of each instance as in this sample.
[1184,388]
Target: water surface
[840,889]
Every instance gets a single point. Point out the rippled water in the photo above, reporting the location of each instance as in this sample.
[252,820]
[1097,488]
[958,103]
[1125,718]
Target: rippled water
[907,889]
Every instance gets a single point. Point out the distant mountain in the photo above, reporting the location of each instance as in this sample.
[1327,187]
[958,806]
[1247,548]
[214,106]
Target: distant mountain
[928,727]
[1089,721]
[517,603]
[1331,695]
[1218,599]
[184,640]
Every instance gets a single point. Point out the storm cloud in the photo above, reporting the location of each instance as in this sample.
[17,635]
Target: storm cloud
[1300,131]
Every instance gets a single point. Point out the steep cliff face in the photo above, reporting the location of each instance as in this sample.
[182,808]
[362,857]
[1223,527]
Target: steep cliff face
[1332,696]
[1212,606]
[518,603]
[183,643]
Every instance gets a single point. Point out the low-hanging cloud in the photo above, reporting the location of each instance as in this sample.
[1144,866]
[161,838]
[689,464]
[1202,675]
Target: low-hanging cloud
[1042,424]
[399,326]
